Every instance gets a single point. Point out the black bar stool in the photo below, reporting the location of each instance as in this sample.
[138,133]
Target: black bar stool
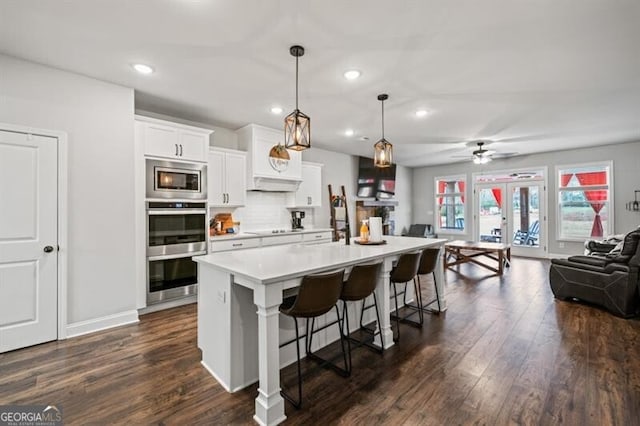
[360,285]
[405,270]
[428,263]
[316,296]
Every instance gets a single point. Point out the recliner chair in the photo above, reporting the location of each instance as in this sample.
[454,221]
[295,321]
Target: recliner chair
[610,281]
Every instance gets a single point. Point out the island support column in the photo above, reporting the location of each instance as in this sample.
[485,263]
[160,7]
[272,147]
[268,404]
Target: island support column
[384,304]
[269,402]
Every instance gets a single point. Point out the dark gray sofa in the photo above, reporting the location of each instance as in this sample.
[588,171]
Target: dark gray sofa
[610,281]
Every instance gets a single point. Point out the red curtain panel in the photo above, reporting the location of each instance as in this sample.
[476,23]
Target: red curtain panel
[596,198]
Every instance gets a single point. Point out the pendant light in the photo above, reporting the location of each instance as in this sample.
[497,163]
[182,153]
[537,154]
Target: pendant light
[383,155]
[297,125]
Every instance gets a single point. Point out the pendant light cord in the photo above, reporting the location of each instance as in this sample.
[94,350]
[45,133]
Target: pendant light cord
[382,119]
[296,83]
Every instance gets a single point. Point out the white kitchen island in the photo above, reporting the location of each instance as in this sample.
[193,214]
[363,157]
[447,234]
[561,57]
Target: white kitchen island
[236,348]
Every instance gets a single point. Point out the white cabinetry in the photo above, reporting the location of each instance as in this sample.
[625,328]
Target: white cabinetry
[235,244]
[316,237]
[227,177]
[305,237]
[261,174]
[172,140]
[309,193]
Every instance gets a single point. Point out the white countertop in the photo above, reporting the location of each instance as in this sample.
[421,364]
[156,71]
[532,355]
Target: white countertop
[277,263]
[264,234]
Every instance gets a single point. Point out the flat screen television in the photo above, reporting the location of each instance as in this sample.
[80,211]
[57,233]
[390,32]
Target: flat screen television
[375,182]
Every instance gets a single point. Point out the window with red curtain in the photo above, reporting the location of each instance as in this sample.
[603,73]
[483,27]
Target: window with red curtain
[584,199]
[450,201]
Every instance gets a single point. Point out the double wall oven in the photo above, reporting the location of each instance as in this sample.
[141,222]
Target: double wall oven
[176,228]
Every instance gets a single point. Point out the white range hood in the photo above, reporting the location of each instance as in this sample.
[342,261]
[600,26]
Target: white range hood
[263,174]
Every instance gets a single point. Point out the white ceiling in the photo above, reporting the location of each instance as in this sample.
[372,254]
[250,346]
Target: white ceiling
[531,75]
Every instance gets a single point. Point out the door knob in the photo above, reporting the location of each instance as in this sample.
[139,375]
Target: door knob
[48,249]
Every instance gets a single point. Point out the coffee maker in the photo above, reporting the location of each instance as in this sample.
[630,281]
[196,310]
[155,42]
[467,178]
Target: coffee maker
[296,219]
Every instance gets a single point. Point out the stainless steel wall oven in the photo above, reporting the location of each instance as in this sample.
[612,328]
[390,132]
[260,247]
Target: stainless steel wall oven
[175,232]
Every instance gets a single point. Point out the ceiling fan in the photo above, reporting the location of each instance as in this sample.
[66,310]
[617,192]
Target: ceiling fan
[481,155]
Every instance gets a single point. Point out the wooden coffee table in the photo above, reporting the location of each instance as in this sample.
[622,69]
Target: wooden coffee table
[458,252]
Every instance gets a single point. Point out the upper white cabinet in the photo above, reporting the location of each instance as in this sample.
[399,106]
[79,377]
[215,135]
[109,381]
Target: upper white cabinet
[172,140]
[309,193]
[227,177]
[263,174]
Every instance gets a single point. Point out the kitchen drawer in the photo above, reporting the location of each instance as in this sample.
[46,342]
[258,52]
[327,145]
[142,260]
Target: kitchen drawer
[281,239]
[317,237]
[236,244]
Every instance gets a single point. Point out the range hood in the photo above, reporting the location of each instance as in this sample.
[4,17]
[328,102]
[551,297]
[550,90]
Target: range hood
[274,184]
[263,174]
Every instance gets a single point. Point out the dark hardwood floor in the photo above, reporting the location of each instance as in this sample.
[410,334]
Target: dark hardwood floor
[505,352]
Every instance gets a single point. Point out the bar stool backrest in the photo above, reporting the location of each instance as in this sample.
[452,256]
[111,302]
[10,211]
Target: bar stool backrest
[407,267]
[361,282]
[317,295]
[428,261]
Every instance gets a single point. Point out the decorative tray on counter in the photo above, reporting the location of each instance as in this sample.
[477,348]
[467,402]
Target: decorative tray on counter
[369,243]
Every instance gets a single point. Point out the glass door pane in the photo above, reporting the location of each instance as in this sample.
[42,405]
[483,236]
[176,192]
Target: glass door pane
[526,205]
[490,212]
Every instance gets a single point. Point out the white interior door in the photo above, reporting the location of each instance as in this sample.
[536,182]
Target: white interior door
[28,240]
[512,213]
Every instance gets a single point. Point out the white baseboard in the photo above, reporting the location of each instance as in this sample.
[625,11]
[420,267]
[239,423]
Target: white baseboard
[102,323]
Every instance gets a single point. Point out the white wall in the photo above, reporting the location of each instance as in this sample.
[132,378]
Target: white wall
[98,118]
[626,179]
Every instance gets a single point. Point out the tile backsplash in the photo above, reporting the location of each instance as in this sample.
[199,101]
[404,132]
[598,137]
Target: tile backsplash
[265,210]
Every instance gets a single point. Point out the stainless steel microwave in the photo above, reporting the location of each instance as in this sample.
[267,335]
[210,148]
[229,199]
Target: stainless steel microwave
[174,180]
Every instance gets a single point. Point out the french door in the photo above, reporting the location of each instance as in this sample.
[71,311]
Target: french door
[512,213]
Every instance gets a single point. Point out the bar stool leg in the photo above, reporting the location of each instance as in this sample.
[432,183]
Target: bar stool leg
[397,316]
[345,318]
[378,326]
[297,404]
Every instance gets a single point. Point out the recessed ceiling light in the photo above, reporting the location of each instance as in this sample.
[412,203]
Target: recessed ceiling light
[276,110]
[349,132]
[352,74]
[143,69]
[421,113]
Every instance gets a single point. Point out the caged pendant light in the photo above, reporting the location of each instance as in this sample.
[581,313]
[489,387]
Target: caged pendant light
[297,125]
[383,155]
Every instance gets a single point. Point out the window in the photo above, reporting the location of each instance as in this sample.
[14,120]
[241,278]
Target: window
[584,201]
[450,204]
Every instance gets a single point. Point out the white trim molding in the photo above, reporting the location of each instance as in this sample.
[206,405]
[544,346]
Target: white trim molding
[103,323]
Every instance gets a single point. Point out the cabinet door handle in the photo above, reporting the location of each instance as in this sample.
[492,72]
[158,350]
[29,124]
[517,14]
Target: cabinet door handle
[176,149]
[318,236]
[180,150]
[309,200]
[236,245]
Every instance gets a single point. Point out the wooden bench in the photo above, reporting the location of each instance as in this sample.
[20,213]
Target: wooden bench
[458,252]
